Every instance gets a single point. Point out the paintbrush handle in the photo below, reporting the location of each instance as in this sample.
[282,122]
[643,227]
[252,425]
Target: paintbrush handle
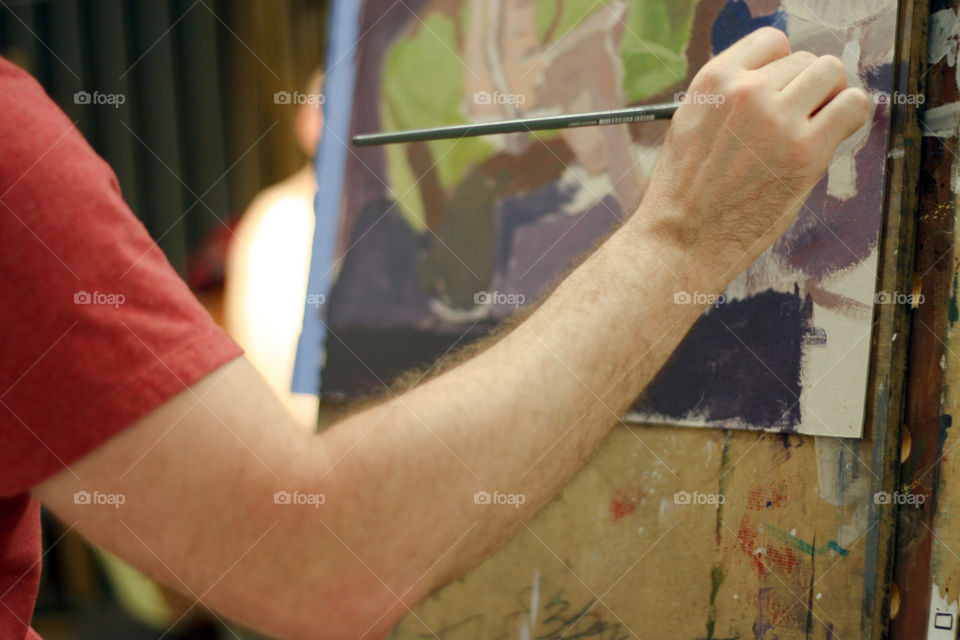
[589,119]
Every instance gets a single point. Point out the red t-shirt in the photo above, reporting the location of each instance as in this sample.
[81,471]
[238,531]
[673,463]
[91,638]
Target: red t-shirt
[97,328]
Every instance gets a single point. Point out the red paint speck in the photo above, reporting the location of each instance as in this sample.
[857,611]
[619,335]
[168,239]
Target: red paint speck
[747,537]
[783,560]
[766,557]
[624,503]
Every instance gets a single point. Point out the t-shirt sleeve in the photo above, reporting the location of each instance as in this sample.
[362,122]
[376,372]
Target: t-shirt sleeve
[97,328]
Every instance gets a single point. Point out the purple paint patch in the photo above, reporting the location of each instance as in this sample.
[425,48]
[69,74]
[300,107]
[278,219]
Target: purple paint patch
[749,354]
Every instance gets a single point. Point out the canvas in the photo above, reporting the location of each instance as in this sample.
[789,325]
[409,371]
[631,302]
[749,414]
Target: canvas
[438,242]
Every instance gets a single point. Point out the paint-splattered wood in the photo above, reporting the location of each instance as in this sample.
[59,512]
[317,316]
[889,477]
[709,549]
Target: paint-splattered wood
[928,540]
[617,557]
[637,545]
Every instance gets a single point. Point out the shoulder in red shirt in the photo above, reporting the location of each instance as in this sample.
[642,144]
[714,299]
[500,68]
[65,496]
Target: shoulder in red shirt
[98,327]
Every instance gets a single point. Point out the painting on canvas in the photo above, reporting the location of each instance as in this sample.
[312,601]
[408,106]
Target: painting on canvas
[438,242]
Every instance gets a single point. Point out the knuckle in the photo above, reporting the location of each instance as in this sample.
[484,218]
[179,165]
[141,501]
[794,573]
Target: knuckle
[805,56]
[775,37]
[711,76]
[855,107]
[860,101]
[832,67]
[742,91]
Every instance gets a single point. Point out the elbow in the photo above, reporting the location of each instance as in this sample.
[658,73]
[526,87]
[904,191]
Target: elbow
[363,612]
[347,616]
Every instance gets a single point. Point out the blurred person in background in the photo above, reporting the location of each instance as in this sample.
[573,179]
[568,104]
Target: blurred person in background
[268,263]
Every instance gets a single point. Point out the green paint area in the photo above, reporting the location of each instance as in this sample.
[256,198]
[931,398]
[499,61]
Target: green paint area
[571,13]
[717,575]
[722,484]
[422,86]
[802,545]
[716,579]
[423,80]
[459,261]
[654,40]
[653,45]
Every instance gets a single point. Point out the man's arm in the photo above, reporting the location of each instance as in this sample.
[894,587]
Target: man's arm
[398,480]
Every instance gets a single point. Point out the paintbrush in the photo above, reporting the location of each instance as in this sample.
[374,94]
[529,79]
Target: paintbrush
[644,113]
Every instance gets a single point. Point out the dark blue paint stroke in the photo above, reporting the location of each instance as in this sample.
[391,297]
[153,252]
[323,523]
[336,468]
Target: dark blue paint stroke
[377,286]
[878,77]
[740,362]
[735,21]
[515,212]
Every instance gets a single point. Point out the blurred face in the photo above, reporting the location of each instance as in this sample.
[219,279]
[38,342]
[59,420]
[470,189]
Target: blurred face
[307,125]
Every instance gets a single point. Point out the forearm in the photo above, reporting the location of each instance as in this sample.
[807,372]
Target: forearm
[518,419]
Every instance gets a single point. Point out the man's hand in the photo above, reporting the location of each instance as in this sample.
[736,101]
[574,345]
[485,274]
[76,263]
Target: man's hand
[757,130]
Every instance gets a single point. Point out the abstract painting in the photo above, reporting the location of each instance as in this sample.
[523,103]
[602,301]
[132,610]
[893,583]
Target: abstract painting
[438,242]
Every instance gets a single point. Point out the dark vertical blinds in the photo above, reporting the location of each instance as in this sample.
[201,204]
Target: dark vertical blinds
[197,133]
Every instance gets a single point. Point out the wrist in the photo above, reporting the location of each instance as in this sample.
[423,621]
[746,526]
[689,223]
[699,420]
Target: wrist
[664,230]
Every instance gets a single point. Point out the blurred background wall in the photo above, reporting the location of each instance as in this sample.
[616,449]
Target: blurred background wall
[198,132]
